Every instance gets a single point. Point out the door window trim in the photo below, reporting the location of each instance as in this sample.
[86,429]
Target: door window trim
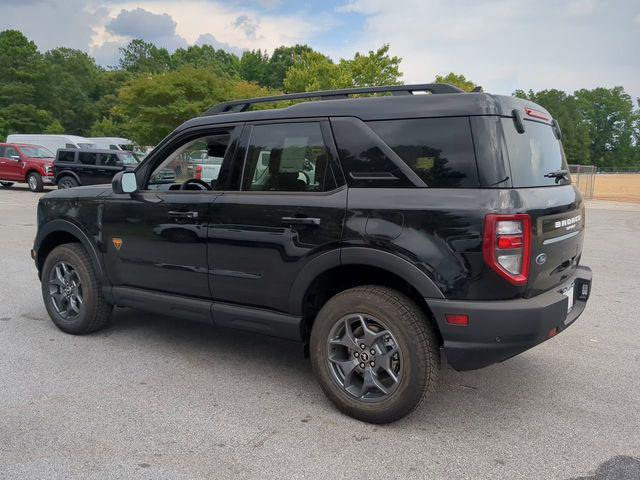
[144,170]
[245,143]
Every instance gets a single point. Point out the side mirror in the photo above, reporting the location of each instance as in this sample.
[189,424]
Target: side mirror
[124,182]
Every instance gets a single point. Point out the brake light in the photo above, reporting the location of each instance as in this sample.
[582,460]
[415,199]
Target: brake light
[506,246]
[198,175]
[536,114]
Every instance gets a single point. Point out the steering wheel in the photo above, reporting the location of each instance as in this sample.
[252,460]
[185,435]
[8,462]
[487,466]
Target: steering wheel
[194,181]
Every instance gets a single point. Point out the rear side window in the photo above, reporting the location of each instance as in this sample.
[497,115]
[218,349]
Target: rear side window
[67,157]
[439,150]
[533,154]
[87,158]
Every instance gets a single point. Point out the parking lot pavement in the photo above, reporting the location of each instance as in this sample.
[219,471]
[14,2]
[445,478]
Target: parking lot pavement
[157,397]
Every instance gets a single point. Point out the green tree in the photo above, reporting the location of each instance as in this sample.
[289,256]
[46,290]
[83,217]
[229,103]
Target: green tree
[21,118]
[68,89]
[151,106]
[456,80]
[281,61]
[206,56]
[20,69]
[254,67]
[612,123]
[564,108]
[374,69]
[144,57]
[315,71]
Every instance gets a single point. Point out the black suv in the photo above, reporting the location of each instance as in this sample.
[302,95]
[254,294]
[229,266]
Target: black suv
[73,167]
[385,232]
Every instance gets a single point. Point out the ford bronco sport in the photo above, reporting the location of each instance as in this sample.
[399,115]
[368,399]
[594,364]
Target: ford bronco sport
[386,232]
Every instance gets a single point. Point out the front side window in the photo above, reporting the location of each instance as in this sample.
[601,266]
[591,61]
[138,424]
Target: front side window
[109,159]
[88,158]
[439,150]
[37,152]
[197,160]
[288,157]
[11,152]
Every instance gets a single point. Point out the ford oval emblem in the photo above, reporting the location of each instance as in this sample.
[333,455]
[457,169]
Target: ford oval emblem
[540,259]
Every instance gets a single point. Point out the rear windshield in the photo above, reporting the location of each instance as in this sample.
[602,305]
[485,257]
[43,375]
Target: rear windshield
[534,154]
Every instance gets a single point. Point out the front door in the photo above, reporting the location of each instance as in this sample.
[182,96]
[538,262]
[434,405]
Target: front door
[156,239]
[285,207]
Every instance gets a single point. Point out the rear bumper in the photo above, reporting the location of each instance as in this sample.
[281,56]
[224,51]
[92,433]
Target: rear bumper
[499,330]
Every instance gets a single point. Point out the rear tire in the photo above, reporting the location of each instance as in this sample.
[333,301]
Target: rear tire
[34,180]
[71,291]
[67,182]
[401,356]
[6,184]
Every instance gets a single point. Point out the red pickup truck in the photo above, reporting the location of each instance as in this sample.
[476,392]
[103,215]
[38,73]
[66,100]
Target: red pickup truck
[30,164]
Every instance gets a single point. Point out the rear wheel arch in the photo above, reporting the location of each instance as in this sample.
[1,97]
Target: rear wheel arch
[331,281]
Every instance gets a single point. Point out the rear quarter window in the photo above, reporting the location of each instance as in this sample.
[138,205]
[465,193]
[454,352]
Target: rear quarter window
[534,154]
[439,150]
[66,157]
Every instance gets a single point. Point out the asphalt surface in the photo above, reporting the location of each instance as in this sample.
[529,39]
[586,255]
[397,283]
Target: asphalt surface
[157,397]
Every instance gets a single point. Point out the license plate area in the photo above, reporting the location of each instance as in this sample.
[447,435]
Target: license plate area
[569,293]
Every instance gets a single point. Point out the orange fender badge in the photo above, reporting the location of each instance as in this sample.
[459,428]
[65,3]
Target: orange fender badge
[117,242]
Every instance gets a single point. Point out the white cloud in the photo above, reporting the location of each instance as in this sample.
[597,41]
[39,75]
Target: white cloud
[506,44]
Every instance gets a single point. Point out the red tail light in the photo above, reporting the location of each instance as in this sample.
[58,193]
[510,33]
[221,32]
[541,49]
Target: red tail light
[198,175]
[506,246]
[536,114]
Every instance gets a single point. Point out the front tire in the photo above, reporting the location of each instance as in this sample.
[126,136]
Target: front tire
[375,353]
[34,180]
[71,291]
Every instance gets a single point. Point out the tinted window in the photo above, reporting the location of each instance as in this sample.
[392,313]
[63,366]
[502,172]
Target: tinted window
[88,158]
[533,154]
[288,157]
[363,158]
[199,159]
[70,145]
[109,159]
[438,150]
[66,156]
[127,158]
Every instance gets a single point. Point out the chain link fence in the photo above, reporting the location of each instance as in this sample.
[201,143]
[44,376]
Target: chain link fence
[584,178]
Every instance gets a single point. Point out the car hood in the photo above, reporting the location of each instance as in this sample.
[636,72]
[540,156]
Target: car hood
[88,191]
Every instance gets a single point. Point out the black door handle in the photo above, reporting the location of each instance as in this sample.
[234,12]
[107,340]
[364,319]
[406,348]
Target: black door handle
[300,221]
[191,215]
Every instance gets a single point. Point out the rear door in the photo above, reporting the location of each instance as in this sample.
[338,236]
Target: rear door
[88,168]
[556,208]
[283,205]
[10,164]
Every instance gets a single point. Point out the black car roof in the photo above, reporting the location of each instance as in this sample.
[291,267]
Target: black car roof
[92,150]
[381,107]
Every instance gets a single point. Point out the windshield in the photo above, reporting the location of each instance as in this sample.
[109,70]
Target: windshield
[127,158]
[37,152]
[536,156]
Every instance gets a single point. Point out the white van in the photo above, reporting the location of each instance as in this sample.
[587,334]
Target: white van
[52,142]
[113,143]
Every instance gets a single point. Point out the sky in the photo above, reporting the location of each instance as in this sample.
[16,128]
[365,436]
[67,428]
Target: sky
[499,44]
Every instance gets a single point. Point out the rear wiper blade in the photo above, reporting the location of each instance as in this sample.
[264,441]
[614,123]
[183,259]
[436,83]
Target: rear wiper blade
[558,174]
